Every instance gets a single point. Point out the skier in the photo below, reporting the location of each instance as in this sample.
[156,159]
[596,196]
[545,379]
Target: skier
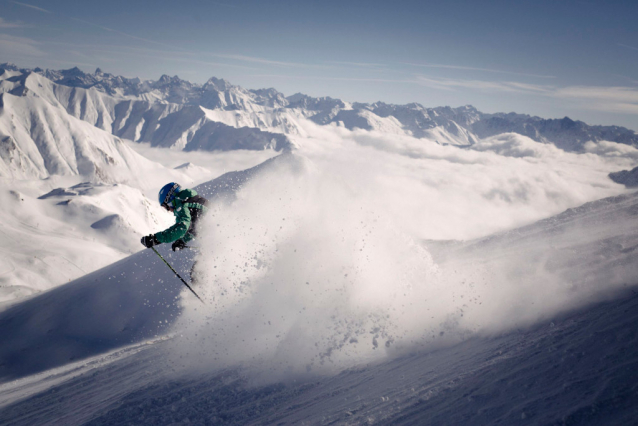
[187,207]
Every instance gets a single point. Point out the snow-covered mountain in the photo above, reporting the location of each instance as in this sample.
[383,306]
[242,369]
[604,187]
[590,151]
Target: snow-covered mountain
[565,133]
[75,194]
[168,101]
[151,116]
[503,351]
[40,140]
[74,124]
[360,263]
[62,227]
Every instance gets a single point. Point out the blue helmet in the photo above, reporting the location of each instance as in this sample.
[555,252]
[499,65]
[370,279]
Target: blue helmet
[168,192]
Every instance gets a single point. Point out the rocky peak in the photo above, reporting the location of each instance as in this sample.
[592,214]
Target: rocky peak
[218,84]
[299,100]
[9,66]
[73,71]
[166,79]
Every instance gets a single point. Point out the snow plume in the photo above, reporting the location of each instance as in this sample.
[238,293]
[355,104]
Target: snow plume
[319,263]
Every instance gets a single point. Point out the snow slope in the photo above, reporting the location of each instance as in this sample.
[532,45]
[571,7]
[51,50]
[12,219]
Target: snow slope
[61,228]
[67,232]
[116,291]
[390,268]
[74,194]
[578,369]
[577,366]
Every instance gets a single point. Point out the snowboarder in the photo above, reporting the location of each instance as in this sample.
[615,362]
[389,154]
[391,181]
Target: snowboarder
[187,207]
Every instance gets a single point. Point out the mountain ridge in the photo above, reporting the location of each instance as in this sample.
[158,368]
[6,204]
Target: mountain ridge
[32,104]
[465,124]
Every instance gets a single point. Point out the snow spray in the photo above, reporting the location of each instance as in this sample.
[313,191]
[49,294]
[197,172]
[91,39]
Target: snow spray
[322,262]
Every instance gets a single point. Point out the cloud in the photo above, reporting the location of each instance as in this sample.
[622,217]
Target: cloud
[457,67]
[620,108]
[482,85]
[529,87]
[617,94]
[265,61]
[623,100]
[353,79]
[165,55]
[131,36]
[89,50]
[39,9]
[320,264]
[124,34]
[195,57]
[358,64]
[6,24]
[616,99]
[12,45]
[612,149]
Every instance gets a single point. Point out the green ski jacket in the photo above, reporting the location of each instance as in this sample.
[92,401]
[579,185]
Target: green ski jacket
[187,208]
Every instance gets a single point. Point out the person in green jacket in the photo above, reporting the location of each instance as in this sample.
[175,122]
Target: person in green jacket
[188,207]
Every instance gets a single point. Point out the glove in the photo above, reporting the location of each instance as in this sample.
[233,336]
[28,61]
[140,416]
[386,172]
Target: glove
[149,241]
[178,245]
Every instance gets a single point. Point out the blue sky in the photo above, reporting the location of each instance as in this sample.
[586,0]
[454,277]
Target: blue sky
[546,58]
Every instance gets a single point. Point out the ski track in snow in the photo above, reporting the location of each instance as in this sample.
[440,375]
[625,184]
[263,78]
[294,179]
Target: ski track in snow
[16,390]
[580,368]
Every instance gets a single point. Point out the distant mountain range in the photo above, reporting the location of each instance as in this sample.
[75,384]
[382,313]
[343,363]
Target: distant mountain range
[217,115]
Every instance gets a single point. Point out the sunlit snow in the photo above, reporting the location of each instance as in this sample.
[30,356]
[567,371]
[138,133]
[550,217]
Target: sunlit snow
[351,273]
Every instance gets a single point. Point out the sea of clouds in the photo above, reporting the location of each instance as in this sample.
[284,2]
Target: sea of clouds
[324,260]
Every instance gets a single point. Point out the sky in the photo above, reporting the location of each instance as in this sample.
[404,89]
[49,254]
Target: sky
[547,58]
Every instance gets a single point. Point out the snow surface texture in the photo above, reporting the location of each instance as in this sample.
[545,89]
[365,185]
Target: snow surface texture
[365,250]
[66,233]
[577,368]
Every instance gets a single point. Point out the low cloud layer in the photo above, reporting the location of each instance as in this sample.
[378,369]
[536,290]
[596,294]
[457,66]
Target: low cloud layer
[324,260]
